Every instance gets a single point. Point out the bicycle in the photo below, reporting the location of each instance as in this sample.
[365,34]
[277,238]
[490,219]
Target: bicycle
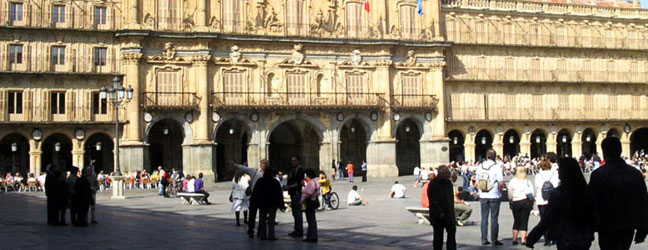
[333,201]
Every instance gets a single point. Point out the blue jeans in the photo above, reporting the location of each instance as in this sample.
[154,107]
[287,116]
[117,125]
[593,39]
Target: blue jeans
[491,206]
[295,206]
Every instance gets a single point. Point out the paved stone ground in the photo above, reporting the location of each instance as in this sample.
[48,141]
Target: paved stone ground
[147,221]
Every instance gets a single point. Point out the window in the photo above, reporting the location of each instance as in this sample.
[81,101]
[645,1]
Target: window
[355,87]
[100,56]
[296,83]
[100,15]
[99,105]
[16,12]
[354,19]
[167,14]
[408,21]
[15,53]
[58,55]
[168,87]
[231,15]
[15,102]
[58,103]
[295,20]
[233,86]
[411,87]
[58,13]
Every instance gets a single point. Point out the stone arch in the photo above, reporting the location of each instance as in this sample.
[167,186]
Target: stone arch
[354,135]
[187,131]
[367,123]
[320,127]
[14,154]
[588,142]
[511,141]
[564,139]
[639,141]
[232,135]
[165,138]
[57,150]
[408,147]
[457,150]
[538,140]
[483,142]
[102,153]
[296,134]
[422,124]
[249,125]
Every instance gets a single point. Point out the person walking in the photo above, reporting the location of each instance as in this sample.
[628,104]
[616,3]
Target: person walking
[546,181]
[350,169]
[442,214]
[309,199]
[268,197]
[239,199]
[161,182]
[621,200]
[341,170]
[94,186]
[334,168]
[521,198]
[294,187]
[570,216]
[489,181]
[363,167]
[256,174]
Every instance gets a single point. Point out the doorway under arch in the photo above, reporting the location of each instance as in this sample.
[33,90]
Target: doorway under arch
[564,139]
[232,140]
[57,150]
[457,152]
[538,143]
[588,143]
[408,147]
[14,155]
[294,138]
[99,147]
[353,143]
[165,145]
[639,141]
[511,143]
[483,142]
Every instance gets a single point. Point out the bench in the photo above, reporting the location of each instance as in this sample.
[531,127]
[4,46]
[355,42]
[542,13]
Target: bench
[192,198]
[423,214]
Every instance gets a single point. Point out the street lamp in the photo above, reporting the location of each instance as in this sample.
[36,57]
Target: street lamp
[588,138]
[57,147]
[538,139]
[117,95]
[483,140]
[455,140]
[98,146]
[407,129]
[231,131]
[14,148]
[165,130]
[511,140]
[564,139]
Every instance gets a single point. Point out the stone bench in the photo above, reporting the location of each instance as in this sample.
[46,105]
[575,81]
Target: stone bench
[423,214]
[192,198]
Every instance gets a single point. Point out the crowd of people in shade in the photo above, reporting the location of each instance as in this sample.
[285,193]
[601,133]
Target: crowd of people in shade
[613,205]
[74,190]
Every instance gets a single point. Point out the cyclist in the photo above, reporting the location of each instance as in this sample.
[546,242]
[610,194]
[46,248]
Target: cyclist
[325,183]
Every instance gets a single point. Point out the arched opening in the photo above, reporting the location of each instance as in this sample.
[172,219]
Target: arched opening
[294,138]
[165,145]
[456,146]
[613,133]
[538,143]
[408,147]
[232,139]
[57,150]
[639,142]
[511,143]
[483,142]
[564,139]
[14,155]
[588,143]
[353,143]
[99,148]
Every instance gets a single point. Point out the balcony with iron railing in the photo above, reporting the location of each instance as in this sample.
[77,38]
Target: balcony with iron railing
[297,100]
[170,101]
[547,7]
[68,64]
[549,40]
[414,102]
[45,113]
[544,114]
[48,20]
[556,75]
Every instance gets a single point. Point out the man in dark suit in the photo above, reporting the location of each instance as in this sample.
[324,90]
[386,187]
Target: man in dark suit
[621,200]
[442,215]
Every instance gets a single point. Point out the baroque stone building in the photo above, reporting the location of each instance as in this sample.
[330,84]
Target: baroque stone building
[245,80]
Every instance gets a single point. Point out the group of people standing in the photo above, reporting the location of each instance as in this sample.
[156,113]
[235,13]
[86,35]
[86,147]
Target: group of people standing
[76,191]
[340,169]
[614,204]
[264,190]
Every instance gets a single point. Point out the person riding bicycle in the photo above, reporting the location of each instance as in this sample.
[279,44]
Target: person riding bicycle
[325,184]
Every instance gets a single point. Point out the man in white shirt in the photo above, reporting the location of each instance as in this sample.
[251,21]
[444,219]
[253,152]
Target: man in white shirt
[398,190]
[490,199]
[191,188]
[354,199]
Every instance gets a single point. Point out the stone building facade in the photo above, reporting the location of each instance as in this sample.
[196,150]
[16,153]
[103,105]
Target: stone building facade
[244,80]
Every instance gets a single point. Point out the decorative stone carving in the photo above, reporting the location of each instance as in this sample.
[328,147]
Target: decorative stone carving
[235,58]
[356,58]
[168,55]
[375,31]
[200,59]
[340,31]
[356,61]
[131,57]
[271,21]
[215,24]
[319,25]
[149,21]
[395,32]
[298,55]
[235,55]
[437,66]
[297,59]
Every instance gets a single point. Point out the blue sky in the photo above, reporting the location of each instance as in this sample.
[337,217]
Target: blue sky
[644,4]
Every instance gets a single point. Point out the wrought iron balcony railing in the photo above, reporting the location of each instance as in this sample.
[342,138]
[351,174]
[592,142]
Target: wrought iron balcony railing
[414,102]
[170,101]
[297,100]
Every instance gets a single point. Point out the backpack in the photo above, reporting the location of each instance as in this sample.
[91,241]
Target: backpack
[547,188]
[484,182]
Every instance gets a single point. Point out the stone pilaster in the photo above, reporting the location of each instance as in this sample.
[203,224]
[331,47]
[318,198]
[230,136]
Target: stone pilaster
[625,145]
[200,158]
[133,129]
[381,159]
[35,155]
[201,16]
[132,21]
[469,149]
[202,120]
[133,157]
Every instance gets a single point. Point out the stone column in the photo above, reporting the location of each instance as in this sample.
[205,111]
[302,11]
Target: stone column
[202,120]
[469,149]
[132,21]
[34,156]
[133,150]
[599,143]
[525,148]
[435,147]
[381,153]
[551,144]
[577,146]
[499,147]
[625,145]
[201,16]
[77,154]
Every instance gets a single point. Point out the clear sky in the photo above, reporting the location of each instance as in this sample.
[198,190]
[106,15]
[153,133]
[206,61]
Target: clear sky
[644,4]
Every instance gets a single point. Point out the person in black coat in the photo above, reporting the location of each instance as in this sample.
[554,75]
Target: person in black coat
[60,192]
[82,199]
[50,192]
[268,197]
[71,184]
[442,215]
[570,215]
[621,200]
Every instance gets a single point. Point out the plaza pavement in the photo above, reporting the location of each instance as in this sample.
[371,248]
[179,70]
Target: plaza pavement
[147,221]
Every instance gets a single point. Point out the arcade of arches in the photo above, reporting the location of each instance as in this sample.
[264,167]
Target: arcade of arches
[536,142]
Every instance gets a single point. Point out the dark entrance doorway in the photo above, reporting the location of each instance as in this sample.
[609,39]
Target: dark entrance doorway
[232,139]
[457,153]
[483,142]
[294,138]
[511,143]
[57,150]
[353,146]
[564,143]
[538,143]
[14,155]
[589,143]
[165,145]
[408,147]
[639,142]
[99,147]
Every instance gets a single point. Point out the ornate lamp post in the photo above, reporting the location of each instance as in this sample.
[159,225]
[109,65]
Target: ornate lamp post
[14,149]
[117,95]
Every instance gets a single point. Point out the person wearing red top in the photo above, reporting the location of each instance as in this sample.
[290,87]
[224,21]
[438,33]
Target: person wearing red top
[350,171]
[425,203]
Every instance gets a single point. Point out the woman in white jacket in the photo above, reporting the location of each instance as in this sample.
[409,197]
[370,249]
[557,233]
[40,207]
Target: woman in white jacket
[521,197]
[547,174]
[240,201]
